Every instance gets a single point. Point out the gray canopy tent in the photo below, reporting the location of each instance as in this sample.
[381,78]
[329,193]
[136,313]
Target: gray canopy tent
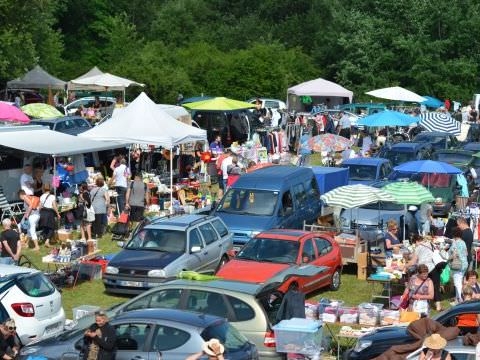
[37,78]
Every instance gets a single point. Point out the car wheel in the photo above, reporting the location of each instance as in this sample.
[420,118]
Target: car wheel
[222,262]
[335,282]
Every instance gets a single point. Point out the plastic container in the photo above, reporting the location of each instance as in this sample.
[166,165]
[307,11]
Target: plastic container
[299,336]
[84,310]
[311,311]
[329,312]
[389,317]
[369,313]
[348,315]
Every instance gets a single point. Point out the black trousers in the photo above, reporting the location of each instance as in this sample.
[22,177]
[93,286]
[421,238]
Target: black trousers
[99,225]
[435,276]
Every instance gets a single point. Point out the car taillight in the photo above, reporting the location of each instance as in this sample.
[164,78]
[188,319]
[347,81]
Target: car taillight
[269,340]
[24,309]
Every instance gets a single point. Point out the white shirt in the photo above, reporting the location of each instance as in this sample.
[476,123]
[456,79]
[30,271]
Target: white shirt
[26,183]
[120,175]
[345,122]
[227,161]
[367,144]
[47,202]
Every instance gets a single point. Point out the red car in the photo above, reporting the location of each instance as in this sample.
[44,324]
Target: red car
[276,250]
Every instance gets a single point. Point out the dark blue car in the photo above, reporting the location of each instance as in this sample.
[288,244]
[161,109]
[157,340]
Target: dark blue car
[72,125]
[405,151]
[367,170]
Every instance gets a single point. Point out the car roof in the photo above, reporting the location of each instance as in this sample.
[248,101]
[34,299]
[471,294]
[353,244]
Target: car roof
[407,145]
[55,120]
[219,284]
[472,146]
[283,234]
[182,221]
[13,269]
[180,316]
[433,134]
[276,176]
[365,161]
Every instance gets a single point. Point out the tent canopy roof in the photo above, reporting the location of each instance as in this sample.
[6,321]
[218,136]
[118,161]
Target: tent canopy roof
[40,139]
[102,81]
[320,87]
[92,72]
[144,122]
[37,78]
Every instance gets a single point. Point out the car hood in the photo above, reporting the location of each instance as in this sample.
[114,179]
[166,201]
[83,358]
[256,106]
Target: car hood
[247,222]
[388,334]
[143,259]
[361,182]
[250,271]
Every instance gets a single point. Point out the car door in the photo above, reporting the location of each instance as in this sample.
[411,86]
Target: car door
[326,257]
[226,239]
[196,248]
[301,212]
[211,250]
[308,255]
[132,340]
[286,211]
[171,342]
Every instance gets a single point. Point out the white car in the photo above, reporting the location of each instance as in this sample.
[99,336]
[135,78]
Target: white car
[28,297]
[269,103]
[86,102]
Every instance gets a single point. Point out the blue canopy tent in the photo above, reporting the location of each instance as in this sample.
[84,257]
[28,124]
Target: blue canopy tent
[387,118]
[432,102]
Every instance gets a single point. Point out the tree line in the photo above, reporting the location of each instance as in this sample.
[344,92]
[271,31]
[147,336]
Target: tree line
[246,48]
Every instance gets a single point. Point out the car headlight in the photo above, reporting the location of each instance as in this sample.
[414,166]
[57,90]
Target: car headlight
[160,273]
[111,270]
[254,233]
[28,350]
[362,345]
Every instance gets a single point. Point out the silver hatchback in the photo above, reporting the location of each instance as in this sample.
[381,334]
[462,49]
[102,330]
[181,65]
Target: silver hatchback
[161,248]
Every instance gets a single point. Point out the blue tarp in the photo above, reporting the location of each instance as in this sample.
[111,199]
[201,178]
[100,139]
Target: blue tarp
[329,178]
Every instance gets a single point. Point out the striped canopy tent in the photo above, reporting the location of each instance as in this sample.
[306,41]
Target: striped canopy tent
[442,122]
[408,193]
[352,196]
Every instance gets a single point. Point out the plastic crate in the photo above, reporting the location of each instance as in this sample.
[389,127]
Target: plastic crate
[299,336]
[369,313]
[348,315]
[329,312]
[389,317]
[84,310]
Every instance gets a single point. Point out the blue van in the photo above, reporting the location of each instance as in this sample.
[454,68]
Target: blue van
[268,198]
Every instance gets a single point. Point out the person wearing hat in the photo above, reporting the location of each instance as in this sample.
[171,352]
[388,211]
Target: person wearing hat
[434,348]
[8,346]
[100,339]
[212,348]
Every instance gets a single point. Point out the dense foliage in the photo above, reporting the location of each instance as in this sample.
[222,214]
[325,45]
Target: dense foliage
[246,48]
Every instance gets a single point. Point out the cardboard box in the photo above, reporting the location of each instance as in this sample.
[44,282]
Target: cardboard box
[64,235]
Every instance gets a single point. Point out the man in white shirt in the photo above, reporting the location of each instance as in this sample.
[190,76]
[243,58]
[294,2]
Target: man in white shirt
[26,180]
[344,125]
[121,175]
[225,163]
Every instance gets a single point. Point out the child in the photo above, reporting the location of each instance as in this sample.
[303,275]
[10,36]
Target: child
[468,322]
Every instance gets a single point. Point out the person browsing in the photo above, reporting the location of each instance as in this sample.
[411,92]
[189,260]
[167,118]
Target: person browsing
[392,243]
[216,146]
[100,339]
[26,180]
[8,345]
[471,279]
[10,244]
[121,175]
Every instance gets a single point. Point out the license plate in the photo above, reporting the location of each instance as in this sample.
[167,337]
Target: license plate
[131,283]
[52,328]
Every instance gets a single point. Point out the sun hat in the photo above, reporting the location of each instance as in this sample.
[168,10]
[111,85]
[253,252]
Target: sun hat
[435,342]
[207,347]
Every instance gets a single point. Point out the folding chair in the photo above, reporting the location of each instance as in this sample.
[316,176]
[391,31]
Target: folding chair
[10,210]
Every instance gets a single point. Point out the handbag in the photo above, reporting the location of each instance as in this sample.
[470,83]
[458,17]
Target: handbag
[445,275]
[89,214]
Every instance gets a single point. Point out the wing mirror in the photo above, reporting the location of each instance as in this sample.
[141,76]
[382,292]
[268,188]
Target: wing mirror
[195,249]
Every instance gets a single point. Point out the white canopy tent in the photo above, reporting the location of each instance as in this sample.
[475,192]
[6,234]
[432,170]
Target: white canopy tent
[321,91]
[95,71]
[396,93]
[144,122]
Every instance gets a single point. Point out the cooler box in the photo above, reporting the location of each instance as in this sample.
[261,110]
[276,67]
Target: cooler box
[299,336]
[84,310]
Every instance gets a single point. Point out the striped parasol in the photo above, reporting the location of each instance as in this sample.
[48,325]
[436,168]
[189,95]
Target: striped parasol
[409,193]
[352,196]
[442,122]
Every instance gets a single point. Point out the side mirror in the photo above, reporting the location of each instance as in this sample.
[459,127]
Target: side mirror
[195,249]
[121,244]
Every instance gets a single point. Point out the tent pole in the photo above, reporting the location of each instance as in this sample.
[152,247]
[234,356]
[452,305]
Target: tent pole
[54,174]
[171,180]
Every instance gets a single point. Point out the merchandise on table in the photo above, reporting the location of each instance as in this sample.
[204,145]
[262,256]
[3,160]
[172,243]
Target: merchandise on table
[328,310]
[369,313]
[348,315]
[389,317]
[311,311]
[300,336]
[350,332]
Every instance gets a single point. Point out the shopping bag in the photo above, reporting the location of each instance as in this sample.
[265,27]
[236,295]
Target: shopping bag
[445,275]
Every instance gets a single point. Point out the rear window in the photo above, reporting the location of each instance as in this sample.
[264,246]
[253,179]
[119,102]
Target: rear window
[221,229]
[242,310]
[35,285]
[227,334]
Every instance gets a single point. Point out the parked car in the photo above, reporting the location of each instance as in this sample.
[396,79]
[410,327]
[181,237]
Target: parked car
[372,216]
[166,246]
[276,250]
[153,334]
[367,170]
[438,140]
[405,151]
[89,101]
[250,308]
[30,96]
[458,158]
[472,146]
[28,297]
[72,125]
[272,197]
[269,103]
[377,342]
[455,348]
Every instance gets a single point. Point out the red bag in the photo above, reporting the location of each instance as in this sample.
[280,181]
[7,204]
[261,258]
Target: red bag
[404,301]
[123,218]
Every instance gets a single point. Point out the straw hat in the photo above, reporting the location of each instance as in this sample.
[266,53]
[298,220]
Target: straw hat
[435,342]
[207,347]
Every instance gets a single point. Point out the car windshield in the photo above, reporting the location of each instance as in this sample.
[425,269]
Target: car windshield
[362,172]
[164,240]
[227,334]
[385,206]
[452,157]
[434,140]
[397,158]
[270,250]
[249,202]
